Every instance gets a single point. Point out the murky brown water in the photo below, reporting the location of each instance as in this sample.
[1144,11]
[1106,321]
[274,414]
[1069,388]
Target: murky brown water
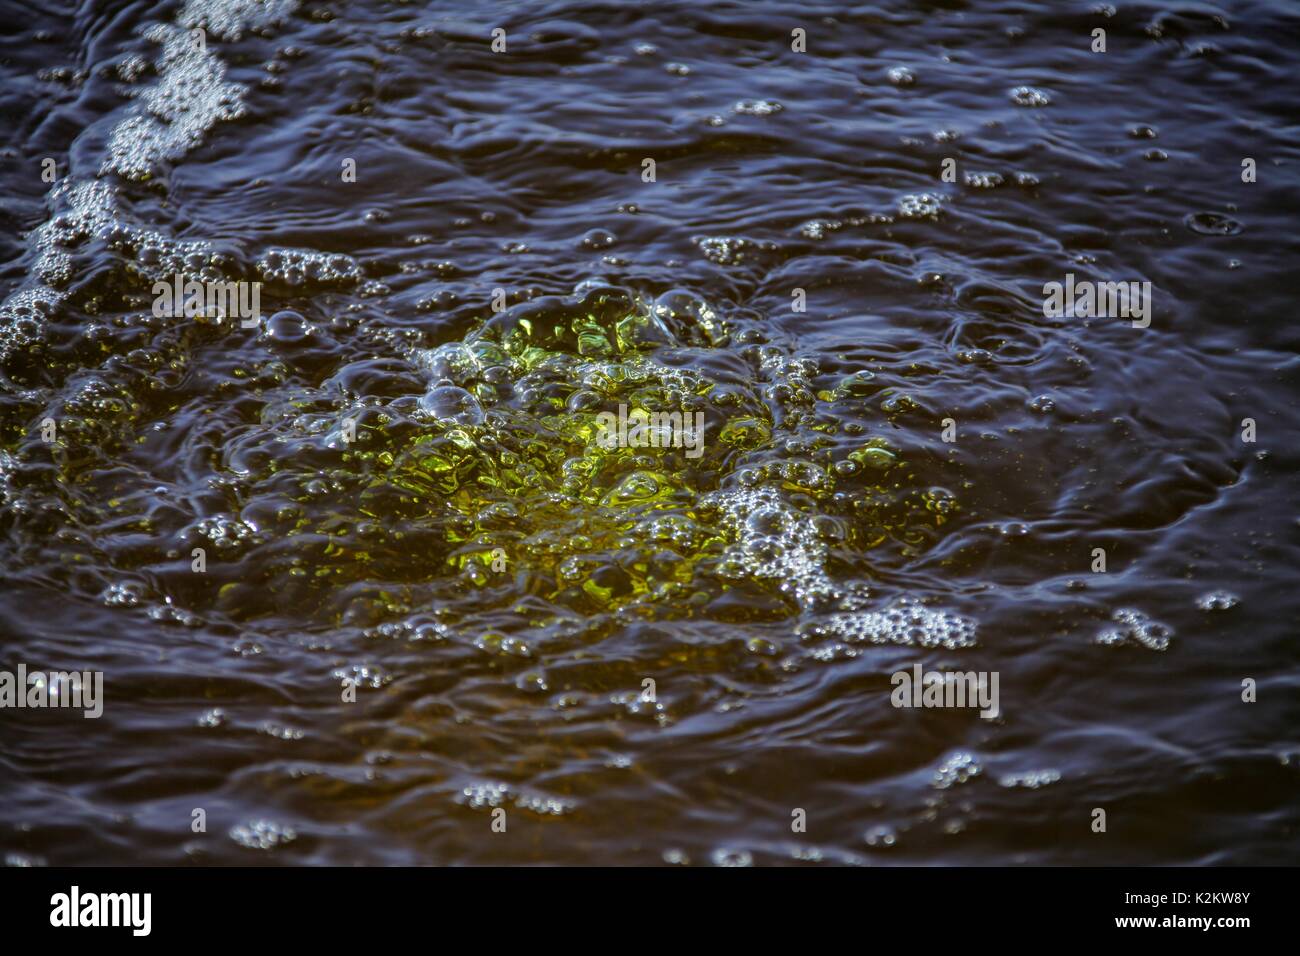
[650,654]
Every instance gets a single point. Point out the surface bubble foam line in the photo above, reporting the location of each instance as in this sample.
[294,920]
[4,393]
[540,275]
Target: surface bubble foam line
[167,119]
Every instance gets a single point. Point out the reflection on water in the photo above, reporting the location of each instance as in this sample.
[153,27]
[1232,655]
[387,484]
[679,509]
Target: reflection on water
[366,572]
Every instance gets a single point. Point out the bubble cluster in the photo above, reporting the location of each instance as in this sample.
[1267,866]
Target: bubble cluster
[263,835]
[489,795]
[169,118]
[544,805]
[816,229]
[1134,627]
[297,267]
[901,76]
[131,68]
[1217,601]
[1031,780]
[957,768]
[213,718]
[919,206]
[229,19]
[1028,96]
[174,114]
[724,250]
[9,468]
[122,594]
[775,541]
[80,211]
[485,795]
[226,533]
[362,675]
[168,613]
[280,732]
[757,107]
[906,622]
[412,630]
[983,180]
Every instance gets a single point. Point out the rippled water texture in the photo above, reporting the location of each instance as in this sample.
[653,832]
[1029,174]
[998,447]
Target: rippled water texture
[429,593]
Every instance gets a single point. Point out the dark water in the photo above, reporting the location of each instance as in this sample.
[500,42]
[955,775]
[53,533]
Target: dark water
[499,587]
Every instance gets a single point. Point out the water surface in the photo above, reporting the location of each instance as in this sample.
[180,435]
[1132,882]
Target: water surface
[396,488]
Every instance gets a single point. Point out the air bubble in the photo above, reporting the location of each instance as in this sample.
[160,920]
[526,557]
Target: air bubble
[450,403]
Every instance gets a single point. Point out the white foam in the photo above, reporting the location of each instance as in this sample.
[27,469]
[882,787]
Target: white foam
[1136,628]
[919,206]
[262,834]
[168,118]
[957,768]
[229,19]
[1029,96]
[776,541]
